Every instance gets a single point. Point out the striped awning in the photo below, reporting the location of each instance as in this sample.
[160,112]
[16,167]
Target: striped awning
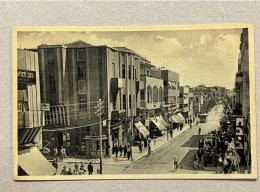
[173,119]
[28,135]
[142,129]
[158,124]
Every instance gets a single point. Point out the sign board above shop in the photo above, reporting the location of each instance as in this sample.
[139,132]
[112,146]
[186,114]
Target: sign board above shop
[45,107]
[25,76]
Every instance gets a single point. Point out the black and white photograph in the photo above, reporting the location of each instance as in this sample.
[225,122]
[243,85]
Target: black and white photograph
[142,102]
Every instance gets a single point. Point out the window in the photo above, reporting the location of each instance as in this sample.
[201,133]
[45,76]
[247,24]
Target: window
[80,55]
[197,100]
[82,86]
[181,95]
[124,102]
[82,102]
[130,102]
[129,72]
[142,95]
[81,71]
[135,74]
[123,71]
[148,73]
[149,94]
[113,70]
[20,106]
[155,94]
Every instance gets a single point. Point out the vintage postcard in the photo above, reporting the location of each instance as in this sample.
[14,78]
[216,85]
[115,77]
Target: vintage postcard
[140,102]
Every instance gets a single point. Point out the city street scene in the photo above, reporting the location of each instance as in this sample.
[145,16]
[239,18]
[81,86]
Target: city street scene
[133,102]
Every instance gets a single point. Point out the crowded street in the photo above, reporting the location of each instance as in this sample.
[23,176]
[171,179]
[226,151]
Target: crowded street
[161,159]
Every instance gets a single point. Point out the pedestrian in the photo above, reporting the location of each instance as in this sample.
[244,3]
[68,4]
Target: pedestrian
[55,164]
[190,126]
[69,172]
[90,168]
[116,149]
[82,166]
[120,150]
[171,133]
[199,130]
[149,149]
[63,152]
[125,151]
[200,153]
[128,152]
[75,172]
[140,147]
[55,153]
[176,162]
[64,171]
[76,166]
[197,122]
[154,141]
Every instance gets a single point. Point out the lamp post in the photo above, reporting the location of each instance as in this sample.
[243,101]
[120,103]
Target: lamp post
[100,112]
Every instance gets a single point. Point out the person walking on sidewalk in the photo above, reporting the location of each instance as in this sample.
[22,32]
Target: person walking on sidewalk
[116,150]
[199,130]
[171,133]
[190,125]
[176,162]
[90,168]
[125,151]
[55,164]
[120,150]
[140,147]
[128,152]
[63,153]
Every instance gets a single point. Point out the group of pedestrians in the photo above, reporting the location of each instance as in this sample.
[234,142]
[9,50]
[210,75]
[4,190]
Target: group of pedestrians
[78,169]
[126,150]
[62,153]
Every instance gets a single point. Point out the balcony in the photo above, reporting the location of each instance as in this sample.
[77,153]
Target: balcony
[116,84]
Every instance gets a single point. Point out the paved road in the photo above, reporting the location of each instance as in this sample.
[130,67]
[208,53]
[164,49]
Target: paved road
[161,160]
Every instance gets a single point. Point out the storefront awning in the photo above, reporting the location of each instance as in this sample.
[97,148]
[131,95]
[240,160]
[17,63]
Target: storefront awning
[34,163]
[158,124]
[161,120]
[181,116]
[174,119]
[28,135]
[142,129]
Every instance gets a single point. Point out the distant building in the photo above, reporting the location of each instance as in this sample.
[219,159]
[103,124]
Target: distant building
[186,102]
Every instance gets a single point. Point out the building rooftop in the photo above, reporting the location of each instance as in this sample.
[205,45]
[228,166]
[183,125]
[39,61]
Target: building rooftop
[78,43]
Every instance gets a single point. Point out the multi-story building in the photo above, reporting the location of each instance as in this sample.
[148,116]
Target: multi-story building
[73,78]
[186,103]
[30,119]
[29,99]
[152,102]
[241,106]
[198,101]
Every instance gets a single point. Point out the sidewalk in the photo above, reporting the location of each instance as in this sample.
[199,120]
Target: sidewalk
[136,153]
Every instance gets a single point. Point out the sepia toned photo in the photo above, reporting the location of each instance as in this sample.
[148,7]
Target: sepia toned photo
[147,102]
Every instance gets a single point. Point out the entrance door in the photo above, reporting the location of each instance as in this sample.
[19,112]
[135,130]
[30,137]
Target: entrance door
[60,139]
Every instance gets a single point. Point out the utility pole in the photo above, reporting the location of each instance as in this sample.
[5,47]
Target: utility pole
[100,112]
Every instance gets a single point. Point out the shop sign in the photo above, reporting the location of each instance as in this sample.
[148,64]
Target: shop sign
[45,107]
[25,76]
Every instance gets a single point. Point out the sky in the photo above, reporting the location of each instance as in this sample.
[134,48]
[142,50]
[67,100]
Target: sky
[207,57]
